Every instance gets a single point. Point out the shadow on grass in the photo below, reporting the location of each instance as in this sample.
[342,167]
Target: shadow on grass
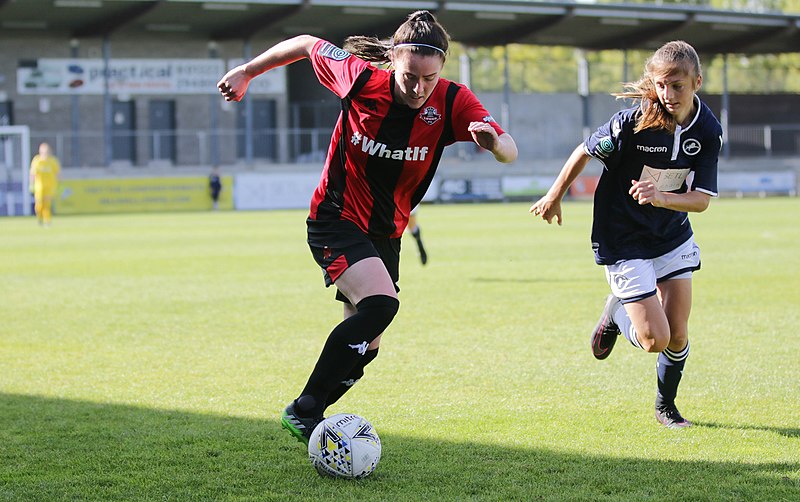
[783,431]
[52,449]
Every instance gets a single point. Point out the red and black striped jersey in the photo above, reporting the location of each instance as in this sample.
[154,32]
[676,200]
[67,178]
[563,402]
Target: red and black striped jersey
[383,154]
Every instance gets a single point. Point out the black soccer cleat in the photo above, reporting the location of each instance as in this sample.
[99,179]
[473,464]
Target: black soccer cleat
[299,427]
[606,331]
[670,417]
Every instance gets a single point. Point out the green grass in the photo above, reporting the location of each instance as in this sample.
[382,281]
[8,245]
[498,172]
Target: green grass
[148,357]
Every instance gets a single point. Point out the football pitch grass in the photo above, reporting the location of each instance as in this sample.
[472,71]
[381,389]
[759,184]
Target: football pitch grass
[149,356]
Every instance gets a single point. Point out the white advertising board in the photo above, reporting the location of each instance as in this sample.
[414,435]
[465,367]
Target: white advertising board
[750,182]
[135,76]
[253,191]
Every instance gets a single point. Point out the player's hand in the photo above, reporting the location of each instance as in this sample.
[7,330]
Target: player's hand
[483,134]
[547,209]
[234,84]
[645,192]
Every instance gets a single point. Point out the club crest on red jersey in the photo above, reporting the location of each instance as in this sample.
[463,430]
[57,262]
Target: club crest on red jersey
[430,115]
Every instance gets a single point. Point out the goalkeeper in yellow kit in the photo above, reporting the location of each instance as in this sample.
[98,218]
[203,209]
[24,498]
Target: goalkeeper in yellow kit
[44,182]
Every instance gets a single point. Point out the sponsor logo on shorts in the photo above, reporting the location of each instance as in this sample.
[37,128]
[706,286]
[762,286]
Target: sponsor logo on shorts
[620,281]
[689,256]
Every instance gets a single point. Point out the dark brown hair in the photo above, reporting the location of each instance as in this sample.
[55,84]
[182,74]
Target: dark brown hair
[421,33]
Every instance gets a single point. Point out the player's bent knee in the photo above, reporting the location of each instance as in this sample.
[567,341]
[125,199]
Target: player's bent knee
[654,344]
[679,339]
[380,309]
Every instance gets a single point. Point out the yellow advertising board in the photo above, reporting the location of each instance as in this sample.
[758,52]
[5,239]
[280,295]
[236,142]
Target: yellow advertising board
[128,195]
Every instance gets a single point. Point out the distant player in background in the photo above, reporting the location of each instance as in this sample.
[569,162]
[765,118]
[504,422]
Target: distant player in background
[413,227]
[660,163]
[383,155]
[215,186]
[44,173]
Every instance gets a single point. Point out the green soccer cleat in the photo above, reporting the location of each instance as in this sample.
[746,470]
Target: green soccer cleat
[299,427]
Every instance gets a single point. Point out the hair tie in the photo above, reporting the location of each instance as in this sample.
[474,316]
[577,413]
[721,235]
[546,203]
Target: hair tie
[419,45]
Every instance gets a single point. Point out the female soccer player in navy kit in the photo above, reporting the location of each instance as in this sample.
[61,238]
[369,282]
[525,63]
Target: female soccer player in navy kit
[383,154]
[660,163]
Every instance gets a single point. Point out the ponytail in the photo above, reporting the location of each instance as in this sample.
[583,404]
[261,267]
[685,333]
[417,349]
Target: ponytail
[368,48]
[421,33]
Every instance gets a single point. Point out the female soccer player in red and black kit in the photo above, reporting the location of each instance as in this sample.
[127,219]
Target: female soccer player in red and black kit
[383,154]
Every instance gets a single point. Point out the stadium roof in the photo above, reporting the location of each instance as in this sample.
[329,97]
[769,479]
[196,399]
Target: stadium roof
[585,24]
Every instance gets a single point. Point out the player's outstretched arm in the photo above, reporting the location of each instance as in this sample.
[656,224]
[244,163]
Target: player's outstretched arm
[549,206]
[505,149]
[502,147]
[234,84]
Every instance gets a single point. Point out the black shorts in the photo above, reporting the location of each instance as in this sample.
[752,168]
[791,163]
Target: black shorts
[338,244]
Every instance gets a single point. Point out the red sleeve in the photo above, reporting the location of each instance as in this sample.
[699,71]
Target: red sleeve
[466,109]
[336,68]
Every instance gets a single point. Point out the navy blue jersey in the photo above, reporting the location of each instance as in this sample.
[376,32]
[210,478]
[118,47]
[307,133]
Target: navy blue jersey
[687,160]
[214,183]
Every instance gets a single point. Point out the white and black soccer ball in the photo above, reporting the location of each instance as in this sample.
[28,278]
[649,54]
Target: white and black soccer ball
[344,446]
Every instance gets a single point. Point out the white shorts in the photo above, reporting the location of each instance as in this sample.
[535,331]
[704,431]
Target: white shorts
[634,280]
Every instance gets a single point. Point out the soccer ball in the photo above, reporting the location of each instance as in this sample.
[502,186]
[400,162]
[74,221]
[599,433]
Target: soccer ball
[344,446]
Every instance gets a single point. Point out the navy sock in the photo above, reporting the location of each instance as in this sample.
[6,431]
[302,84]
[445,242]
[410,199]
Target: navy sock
[669,369]
[345,347]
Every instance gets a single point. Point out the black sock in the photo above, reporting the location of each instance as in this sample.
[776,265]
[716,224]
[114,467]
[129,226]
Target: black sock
[345,347]
[669,370]
[417,233]
[352,378]
[423,255]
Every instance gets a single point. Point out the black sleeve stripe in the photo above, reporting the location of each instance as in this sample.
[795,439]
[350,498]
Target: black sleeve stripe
[337,182]
[360,82]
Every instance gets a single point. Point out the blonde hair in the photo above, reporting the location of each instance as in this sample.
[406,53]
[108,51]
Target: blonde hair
[421,33]
[671,57]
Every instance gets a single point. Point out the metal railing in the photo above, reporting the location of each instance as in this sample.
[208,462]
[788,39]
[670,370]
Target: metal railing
[310,145]
[764,140]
